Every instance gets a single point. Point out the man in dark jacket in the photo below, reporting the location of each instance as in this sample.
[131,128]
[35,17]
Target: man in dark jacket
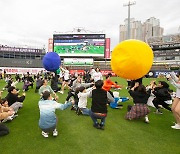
[13,97]
[100,99]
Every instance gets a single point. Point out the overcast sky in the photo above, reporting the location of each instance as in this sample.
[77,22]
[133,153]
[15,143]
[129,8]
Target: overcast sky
[32,22]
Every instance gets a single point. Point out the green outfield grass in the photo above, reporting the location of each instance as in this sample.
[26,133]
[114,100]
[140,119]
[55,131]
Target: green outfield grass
[78,50]
[78,136]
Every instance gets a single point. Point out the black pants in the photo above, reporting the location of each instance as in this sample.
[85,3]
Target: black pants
[57,89]
[157,102]
[3,130]
[72,93]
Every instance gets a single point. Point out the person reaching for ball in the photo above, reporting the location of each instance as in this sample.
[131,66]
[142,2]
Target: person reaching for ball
[48,119]
[139,109]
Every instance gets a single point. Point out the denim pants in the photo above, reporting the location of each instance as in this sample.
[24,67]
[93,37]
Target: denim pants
[85,111]
[94,117]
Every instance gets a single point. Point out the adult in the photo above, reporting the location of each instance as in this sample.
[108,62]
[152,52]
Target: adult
[97,75]
[66,78]
[54,83]
[162,96]
[13,97]
[139,109]
[46,87]
[73,93]
[100,99]
[176,103]
[48,119]
[108,84]
[4,113]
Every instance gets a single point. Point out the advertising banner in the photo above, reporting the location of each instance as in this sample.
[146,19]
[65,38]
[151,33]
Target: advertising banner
[78,62]
[19,70]
[107,50]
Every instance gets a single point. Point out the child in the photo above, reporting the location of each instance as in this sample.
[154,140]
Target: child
[48,119]
[82,104]
[100,99]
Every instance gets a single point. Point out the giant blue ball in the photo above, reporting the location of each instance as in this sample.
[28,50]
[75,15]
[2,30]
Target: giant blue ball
[51,61]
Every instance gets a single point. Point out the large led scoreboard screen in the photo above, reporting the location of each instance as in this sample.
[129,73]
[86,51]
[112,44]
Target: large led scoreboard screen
[79,44]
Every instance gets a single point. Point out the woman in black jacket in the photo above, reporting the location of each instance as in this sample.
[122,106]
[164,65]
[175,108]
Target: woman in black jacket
[162,96]
[140,97]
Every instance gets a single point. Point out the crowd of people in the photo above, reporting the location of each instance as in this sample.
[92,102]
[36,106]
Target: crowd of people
[80,87]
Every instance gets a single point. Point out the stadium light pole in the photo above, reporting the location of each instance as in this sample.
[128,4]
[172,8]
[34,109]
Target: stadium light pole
[129,29]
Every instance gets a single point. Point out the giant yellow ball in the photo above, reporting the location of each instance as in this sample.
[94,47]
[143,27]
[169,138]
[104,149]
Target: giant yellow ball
[131,59]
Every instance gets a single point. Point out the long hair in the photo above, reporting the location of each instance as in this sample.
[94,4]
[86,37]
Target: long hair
[141,89]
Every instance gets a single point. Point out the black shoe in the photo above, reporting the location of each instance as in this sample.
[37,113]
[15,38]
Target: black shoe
[78,111]
[73,108]
[96,126]
[102,127]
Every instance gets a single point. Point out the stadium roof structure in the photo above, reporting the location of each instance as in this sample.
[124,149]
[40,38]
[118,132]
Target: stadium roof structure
[80,30]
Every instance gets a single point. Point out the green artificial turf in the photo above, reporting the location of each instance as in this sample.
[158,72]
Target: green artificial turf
[78,136]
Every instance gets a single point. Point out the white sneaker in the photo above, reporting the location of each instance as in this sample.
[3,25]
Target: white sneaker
[146,119]
[45,134]
[158,112]
[10,118]
[55,132]
[176,126]
[61,92]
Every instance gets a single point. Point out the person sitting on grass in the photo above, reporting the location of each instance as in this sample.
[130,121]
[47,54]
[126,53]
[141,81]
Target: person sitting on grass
[108,84]
[117,100]
[4,113]
[100,99]
[12,96]
[72,93]
[5,108]
[139,109]
[39,83]
[15,106]
[26,85]
[48,119]
[162,96]
[46,87]
[83,94]
[54,84]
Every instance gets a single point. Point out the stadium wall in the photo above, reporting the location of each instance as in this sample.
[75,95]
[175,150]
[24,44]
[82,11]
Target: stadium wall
[26,63]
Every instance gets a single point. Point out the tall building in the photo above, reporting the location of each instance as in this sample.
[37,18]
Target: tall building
[141,31]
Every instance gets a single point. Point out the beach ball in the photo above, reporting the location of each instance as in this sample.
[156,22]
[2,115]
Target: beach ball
[51,61]
[131,59]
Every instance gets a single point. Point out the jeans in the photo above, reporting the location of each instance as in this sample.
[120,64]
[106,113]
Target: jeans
[94,117]
[85,111]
